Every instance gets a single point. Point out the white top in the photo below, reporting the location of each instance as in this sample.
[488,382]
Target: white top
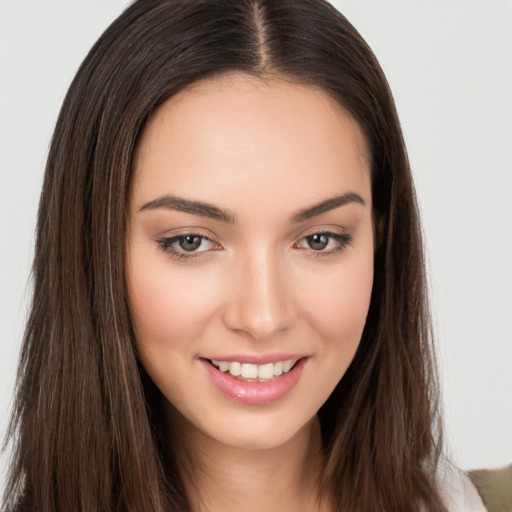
[458,493]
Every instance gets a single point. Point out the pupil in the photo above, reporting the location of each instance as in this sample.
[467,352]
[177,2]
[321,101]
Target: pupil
[190,242]
[318,241]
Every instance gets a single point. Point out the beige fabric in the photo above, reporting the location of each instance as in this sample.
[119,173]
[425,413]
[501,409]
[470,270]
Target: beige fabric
[495,488]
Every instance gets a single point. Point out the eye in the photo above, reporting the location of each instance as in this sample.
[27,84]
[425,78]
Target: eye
[318,241]
[190,243]
[187,245]
[325,242]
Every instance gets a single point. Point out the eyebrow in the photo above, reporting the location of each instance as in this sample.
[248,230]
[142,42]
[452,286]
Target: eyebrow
[202,209]
[188,206]
[328,205]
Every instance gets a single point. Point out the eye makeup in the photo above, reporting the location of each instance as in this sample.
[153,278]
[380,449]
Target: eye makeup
[187,246]
[324,243]
[190,246]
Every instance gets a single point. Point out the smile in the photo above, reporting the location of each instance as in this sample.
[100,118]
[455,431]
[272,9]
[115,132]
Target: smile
[255,384]
[255,372]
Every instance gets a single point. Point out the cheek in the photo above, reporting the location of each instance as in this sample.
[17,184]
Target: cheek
[336,302]
[169,308]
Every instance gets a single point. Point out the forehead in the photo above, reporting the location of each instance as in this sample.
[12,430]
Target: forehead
[231,138]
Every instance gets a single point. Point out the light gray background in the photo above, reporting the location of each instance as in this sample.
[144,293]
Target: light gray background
[449,63]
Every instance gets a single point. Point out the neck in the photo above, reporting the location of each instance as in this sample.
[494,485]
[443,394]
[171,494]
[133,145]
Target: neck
[224,478]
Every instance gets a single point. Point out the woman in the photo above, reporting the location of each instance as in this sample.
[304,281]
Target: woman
[229,306]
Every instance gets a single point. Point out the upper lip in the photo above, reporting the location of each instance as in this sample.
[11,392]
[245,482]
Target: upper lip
[258,359]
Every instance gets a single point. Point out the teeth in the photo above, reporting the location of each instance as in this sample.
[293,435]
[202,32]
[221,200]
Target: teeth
[266,371]
[235,369]
[255,371]
[249,371]
[287,365]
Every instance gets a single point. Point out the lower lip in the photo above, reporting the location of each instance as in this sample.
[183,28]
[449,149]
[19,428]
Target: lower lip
[255,393]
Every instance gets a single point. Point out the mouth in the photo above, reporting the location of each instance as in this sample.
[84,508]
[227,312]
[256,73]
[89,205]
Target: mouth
[248,372]
[255,384]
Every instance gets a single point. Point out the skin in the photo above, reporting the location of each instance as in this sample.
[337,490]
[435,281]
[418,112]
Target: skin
[261,151]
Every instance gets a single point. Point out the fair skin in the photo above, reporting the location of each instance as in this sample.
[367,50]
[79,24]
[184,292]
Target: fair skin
[263,279]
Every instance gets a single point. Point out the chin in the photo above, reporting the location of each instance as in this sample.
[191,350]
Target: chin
[255,428]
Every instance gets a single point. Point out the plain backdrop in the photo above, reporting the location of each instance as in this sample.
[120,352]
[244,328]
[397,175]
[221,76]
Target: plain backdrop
[449,64]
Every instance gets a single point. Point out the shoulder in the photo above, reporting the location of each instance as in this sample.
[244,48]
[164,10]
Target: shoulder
[458,492]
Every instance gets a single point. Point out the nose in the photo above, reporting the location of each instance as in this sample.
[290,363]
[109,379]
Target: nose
[260,303]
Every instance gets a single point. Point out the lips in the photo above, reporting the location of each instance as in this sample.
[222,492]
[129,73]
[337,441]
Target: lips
[249,381]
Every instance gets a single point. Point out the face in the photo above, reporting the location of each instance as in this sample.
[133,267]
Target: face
[250,255]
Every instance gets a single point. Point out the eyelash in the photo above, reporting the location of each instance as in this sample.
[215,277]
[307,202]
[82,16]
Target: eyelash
[342,240]
[167,245]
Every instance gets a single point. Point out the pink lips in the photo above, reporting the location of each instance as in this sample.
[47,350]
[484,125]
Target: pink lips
[256,393]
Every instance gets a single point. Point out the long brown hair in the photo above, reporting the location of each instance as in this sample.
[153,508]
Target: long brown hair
[87,425]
